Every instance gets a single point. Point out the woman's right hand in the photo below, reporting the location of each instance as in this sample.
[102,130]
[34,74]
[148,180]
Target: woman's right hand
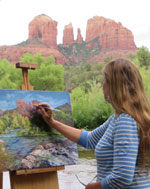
[47,112]
[67,131]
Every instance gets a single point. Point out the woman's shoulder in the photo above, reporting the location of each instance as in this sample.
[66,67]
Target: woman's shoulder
[126,119]
[125,115]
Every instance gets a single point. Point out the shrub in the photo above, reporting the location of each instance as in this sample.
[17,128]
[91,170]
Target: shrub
[89,109]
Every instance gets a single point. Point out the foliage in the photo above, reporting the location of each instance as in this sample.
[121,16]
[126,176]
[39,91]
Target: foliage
[11,77]
[89,109]
[108,59]
[81,75]
[32,41]
[48,77]
[32,125]
[131,57]
[145,73]
[143,56]
[80,52]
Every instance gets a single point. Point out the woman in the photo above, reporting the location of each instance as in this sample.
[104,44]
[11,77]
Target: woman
[122,143]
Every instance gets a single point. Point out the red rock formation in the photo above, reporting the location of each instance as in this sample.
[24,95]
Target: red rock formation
[42,39]
[44,28]
[112,35]
[113,54]
[14,53]
[79,36]
[24,108]
[68,35]
[21,107]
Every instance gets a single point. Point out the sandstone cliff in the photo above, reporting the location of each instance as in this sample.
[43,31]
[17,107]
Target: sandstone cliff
[42,39]
[68,35]
[14,53]
[104,37]
[45,29]
[79,37]
[112,35]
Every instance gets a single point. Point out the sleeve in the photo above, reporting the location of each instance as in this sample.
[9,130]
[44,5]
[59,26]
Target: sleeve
[90,139]
[126,144]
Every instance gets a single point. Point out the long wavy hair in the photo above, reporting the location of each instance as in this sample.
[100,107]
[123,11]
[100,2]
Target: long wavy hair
[127,95]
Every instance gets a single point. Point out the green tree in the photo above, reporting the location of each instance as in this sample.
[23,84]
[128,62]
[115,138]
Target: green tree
[27,58]
[80,75]
[131,57]
[108,59]
[11,77]
[49,76]
[143,56]
[89,109]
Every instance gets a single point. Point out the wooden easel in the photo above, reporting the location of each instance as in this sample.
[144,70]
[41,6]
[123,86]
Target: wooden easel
[1,180]
[25,67]
[39,178]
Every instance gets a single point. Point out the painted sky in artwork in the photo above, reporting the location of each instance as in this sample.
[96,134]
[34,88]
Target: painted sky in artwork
[8,98]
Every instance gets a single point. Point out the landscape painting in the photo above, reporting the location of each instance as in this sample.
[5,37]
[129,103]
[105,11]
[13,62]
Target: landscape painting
[26,141]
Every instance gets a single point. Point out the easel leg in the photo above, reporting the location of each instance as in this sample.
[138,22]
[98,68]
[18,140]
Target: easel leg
[1,180]
[48,180]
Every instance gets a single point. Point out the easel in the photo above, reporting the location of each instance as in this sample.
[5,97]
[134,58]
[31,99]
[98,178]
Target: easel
[1,180]
[39,178]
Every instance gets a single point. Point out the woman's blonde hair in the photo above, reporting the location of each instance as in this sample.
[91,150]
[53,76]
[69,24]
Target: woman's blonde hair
[127,94]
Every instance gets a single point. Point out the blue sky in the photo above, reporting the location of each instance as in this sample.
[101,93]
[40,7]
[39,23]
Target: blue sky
[15,16]
[8,98]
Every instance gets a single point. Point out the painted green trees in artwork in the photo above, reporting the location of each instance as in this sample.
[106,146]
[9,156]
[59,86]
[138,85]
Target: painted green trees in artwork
[13,120]
[31,124]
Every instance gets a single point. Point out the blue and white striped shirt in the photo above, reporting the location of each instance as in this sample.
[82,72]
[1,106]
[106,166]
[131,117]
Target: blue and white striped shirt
[116,145]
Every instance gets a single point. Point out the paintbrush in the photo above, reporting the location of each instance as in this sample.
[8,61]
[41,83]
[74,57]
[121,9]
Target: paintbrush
[46,107]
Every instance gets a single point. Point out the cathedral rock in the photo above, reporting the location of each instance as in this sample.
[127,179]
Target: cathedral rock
[112,35]
[79,36]
[68,35]
[104,37]
[45,29]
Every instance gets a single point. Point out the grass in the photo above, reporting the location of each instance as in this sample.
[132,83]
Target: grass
[85,153]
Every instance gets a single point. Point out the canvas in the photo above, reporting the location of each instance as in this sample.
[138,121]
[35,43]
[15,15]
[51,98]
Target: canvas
[26,141]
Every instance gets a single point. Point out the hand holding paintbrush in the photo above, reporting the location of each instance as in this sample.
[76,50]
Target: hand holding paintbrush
[67,131]
[46,107]
[46,110]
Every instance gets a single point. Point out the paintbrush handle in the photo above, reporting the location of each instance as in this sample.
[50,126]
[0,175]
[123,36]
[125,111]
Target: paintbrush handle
[47,108]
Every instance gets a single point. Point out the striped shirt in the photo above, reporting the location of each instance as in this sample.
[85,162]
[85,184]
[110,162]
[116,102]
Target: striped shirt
[116,150]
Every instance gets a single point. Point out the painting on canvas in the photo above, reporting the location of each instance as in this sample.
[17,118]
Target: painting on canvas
[26,141]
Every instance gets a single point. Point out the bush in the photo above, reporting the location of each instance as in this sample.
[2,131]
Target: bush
[89,109]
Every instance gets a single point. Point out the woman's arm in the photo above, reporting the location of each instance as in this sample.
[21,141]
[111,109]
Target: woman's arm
[95,185]
[69,132]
